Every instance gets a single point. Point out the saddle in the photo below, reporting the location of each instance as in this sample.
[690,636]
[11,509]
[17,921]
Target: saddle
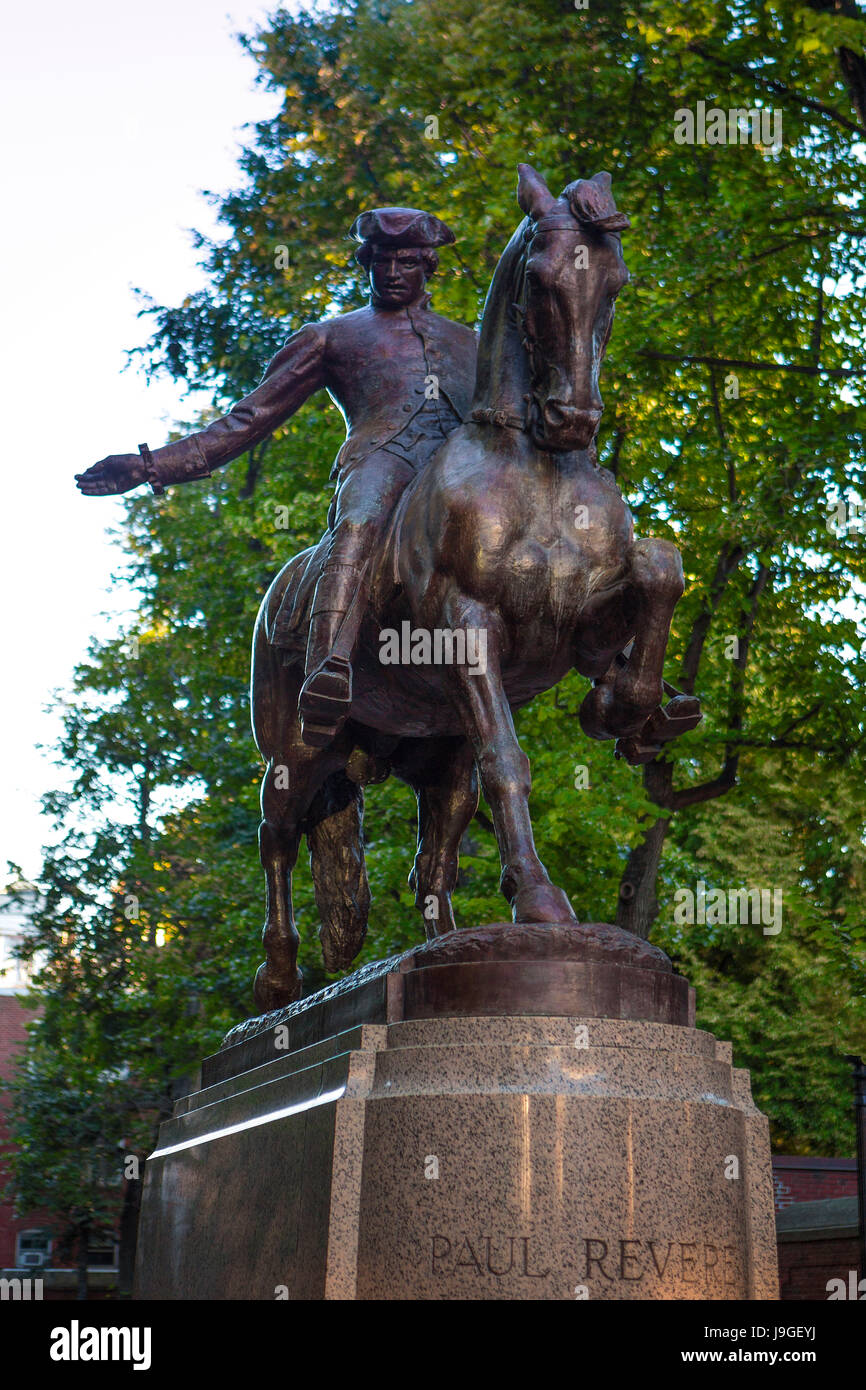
[290,624]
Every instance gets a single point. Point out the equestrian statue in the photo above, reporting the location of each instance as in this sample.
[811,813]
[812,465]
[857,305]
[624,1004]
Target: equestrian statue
[470,508]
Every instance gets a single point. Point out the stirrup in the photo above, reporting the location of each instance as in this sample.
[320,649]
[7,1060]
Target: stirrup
[325,701]
[679,716]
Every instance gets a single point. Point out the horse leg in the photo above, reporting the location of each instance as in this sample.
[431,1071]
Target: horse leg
[292,777]
[597,710]
[504,771]
[622,700]
[278,979]
[445,781]
[335,837]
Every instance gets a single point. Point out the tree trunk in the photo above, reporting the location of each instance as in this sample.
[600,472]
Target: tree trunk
[128,1237]
[83,1244]
[638,905]
[852,65]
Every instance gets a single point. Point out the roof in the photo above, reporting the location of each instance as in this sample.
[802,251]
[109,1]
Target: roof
[831,1218]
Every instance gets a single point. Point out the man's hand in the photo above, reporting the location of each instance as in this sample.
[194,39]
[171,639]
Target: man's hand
[117,473]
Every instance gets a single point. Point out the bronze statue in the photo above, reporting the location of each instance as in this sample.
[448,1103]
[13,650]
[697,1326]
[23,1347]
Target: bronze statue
[402,377]
[508,559]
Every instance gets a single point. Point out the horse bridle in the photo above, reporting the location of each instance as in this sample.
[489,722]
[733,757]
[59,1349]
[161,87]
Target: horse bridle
[552,222]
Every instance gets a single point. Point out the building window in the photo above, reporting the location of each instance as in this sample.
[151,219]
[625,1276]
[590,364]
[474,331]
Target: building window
[32,1250]
[102,1256]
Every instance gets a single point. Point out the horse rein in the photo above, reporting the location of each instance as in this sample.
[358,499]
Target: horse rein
[553,222]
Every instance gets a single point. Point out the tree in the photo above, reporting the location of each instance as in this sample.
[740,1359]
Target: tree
[734,425]
[735,400]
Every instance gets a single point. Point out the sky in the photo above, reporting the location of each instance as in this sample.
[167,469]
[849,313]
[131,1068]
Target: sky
[116,115]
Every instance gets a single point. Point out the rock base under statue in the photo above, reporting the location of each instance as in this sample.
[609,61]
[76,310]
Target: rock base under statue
[517,1155]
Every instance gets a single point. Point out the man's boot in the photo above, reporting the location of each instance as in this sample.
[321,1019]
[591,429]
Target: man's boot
[326,695]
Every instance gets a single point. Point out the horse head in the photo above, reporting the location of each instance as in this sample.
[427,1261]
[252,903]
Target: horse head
[566,281]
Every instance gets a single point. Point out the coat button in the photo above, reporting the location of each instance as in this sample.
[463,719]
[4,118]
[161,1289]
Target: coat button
[407,407]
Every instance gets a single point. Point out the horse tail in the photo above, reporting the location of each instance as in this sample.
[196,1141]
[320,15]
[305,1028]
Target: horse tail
[334,827]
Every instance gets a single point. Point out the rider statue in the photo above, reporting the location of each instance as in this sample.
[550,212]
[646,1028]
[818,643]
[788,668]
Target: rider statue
[403,378]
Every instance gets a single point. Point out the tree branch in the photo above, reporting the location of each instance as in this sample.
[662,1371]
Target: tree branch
[707,791]
[723,439]
[728,560]
[718,786]
[618,440]
[743,366]
[772,84]
[852,64]
[255,459]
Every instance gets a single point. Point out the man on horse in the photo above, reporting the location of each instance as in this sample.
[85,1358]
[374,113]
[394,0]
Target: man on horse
[403,378]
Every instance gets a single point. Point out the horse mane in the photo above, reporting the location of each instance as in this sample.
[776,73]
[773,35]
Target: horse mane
[592,205]
[502,374]
[500,351]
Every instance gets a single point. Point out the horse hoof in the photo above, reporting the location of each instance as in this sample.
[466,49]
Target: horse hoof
[341,942]
[679,716]
[594,711]
[542,903]
[270,994]
[602,715]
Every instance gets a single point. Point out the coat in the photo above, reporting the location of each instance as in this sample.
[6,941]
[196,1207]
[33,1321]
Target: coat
[377,364]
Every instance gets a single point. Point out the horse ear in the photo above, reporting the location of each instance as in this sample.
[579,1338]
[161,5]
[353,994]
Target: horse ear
[533,195]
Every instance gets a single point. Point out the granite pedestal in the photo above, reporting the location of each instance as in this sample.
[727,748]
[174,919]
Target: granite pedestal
[534,1153]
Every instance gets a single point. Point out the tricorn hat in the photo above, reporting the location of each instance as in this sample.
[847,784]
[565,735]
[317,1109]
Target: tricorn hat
[401,227]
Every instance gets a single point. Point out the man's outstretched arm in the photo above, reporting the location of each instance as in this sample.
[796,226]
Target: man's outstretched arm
[294,374]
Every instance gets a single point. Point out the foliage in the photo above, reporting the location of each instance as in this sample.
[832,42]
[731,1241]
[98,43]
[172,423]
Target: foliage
[734,419]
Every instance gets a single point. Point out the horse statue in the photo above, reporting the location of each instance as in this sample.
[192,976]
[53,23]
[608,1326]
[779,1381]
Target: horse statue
[516,551]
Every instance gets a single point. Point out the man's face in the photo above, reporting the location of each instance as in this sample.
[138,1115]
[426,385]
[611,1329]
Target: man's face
[397,276]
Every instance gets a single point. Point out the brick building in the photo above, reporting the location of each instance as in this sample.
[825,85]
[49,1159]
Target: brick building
[26,1244]
[23,1242]
[812,1179]
[817,1228]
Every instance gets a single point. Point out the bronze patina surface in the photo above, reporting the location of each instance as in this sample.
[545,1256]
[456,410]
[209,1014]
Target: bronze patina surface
[476,553]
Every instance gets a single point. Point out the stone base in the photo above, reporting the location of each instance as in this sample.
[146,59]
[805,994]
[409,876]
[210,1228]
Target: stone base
[528,1157]
[506,969]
